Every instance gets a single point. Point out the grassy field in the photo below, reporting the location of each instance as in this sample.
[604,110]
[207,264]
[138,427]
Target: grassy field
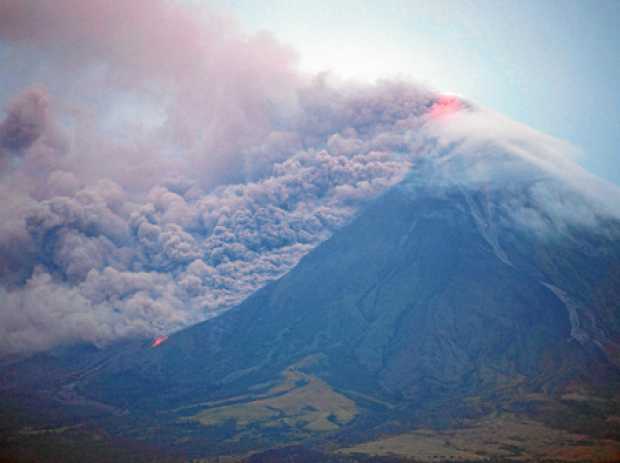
[504,436]
[300,401]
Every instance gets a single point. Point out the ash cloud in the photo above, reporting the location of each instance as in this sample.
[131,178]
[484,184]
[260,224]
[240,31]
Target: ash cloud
[158,166]
[26,119]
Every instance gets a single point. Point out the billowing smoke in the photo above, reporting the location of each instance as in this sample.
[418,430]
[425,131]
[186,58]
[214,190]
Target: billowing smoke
[25,121]
[157,165]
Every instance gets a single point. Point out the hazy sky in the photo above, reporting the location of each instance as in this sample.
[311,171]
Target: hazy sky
[554,65]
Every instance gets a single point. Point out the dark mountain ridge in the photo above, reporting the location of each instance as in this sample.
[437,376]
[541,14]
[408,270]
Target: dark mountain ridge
[422,293]
[432,305]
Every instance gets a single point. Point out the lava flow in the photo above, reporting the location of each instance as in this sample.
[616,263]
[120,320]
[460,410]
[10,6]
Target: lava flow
[158,341]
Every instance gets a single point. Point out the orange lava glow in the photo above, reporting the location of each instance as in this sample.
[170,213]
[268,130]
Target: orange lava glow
[445,104]
[159,341]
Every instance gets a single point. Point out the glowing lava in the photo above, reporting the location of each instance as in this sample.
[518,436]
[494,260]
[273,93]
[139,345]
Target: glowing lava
[445,104]
[159,341]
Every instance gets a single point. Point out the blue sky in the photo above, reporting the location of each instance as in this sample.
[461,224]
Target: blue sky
[554,65]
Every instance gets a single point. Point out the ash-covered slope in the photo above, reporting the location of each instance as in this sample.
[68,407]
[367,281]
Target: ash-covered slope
[431,293]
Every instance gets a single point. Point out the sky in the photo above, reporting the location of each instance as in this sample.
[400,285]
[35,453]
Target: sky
[553,65]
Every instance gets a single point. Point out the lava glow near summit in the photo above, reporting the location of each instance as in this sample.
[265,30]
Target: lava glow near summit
[445,104]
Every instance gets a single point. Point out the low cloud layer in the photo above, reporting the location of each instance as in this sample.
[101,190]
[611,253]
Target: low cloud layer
[157,165]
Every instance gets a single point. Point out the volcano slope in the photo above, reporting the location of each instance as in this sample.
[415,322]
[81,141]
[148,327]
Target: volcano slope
[434,309]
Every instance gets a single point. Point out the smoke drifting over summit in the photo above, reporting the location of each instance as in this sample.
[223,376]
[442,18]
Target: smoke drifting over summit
[157,165]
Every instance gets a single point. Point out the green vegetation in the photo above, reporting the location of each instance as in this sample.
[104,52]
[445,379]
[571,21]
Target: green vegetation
[300,401]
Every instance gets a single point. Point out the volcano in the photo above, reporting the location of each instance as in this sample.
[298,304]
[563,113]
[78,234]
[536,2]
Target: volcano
[436,308]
